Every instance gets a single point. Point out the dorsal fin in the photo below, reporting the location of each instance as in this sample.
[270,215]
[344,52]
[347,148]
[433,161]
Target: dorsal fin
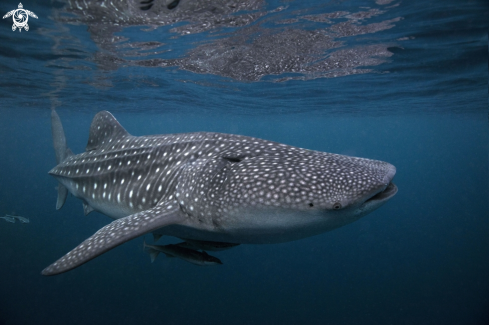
[104,130]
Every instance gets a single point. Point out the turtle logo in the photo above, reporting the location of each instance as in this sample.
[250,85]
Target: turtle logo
[20,17]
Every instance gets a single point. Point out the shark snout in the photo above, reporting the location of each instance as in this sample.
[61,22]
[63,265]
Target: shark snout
[385,190]
[390,173]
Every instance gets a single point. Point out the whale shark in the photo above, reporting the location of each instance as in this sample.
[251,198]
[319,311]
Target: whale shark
[209,187]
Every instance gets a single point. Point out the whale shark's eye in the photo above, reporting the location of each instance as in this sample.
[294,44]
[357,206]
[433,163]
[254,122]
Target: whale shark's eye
[146,4]
[233,159]
[173,4]
[311,205]
[337,206]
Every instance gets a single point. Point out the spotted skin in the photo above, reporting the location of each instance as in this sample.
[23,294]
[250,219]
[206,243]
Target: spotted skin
[114,234]
[221,188]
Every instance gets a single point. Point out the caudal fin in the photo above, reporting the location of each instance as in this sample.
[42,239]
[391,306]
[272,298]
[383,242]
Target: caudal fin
[62,195]
[62,152]
[153,253]
[59,139]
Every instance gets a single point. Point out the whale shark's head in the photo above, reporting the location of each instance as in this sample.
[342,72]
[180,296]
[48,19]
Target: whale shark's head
[286,187]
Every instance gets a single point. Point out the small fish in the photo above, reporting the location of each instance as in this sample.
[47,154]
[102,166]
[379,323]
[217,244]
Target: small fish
[206,245]
[8,219]
[186,254]
[21,219]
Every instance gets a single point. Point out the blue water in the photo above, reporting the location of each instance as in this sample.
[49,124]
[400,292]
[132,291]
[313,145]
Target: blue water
[414,93]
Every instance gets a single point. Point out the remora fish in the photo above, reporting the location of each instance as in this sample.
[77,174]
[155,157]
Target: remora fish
[186,254]
[21,219]
[206,245]
[207,186]
[8,218]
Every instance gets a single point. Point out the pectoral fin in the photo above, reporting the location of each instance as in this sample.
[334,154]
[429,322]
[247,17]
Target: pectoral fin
[116,233]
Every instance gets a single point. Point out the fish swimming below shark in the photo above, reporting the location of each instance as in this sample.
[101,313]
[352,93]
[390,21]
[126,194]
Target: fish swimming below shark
[206,245]
[186,254]
[209,189]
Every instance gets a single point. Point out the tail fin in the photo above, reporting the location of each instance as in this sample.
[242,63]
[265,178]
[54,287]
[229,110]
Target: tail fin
[59,140]
[153,253]
[62,195]
[62,152]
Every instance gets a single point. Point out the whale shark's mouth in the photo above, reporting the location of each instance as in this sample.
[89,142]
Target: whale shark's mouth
[384,195]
